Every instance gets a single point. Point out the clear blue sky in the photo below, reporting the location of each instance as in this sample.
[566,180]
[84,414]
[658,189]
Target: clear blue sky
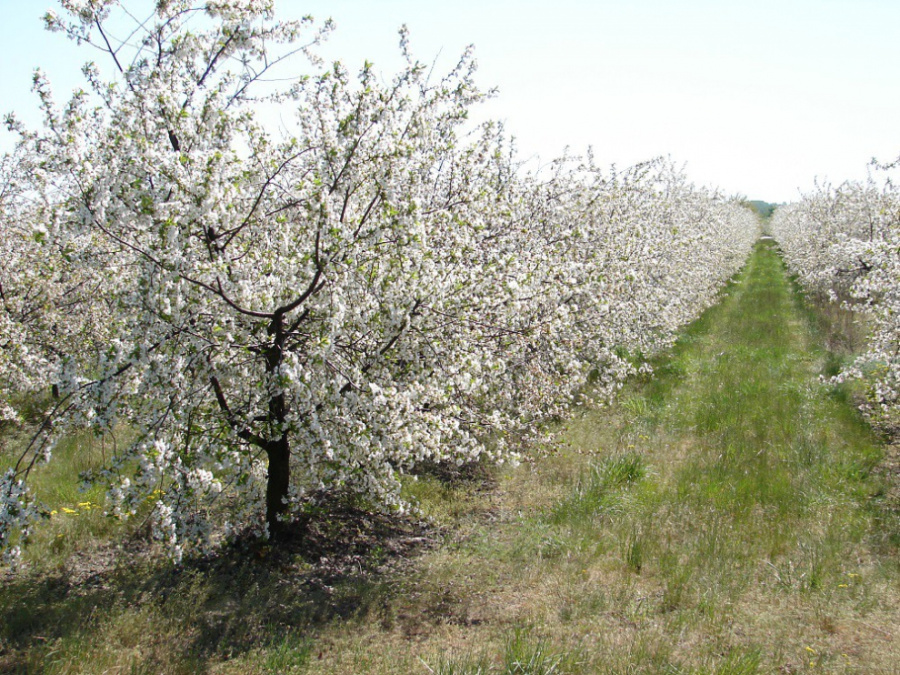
[757,98]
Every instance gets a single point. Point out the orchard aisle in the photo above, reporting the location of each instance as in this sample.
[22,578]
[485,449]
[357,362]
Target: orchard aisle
[757,538]
[725,517]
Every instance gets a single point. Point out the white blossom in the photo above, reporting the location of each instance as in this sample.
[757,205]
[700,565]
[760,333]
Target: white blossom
[270,315]
[844,244]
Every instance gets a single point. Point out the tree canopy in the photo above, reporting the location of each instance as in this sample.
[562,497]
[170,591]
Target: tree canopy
[267,314]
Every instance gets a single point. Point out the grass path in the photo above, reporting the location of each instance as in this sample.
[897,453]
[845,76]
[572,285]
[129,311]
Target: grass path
[755,539]
[727,516]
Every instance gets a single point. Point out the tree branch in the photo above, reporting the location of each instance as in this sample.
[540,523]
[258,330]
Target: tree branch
[242,432]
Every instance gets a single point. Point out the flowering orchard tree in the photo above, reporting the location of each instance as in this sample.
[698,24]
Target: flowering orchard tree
[661,246]
[49,316]
[844,243]
[325,308]
[50,312]
[22,294]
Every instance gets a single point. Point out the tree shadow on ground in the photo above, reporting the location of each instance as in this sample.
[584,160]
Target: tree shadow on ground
[338,562]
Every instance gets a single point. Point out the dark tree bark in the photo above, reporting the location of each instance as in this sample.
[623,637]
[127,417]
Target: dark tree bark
[278,450]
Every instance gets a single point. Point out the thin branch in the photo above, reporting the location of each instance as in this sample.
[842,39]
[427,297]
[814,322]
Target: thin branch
[242,432]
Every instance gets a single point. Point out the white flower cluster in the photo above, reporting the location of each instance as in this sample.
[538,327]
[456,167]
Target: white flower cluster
[16,508]
[43,315]
[844,243]
[331,307]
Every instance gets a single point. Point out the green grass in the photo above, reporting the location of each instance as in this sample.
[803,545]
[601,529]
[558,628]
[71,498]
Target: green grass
[760,482]
[728,516]
[75,520]
[523,654]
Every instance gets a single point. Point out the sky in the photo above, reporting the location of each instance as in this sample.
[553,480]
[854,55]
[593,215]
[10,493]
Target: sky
[757,98]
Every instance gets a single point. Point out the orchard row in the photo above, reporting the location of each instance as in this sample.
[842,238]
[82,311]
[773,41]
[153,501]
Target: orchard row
[844,243]
[268,314]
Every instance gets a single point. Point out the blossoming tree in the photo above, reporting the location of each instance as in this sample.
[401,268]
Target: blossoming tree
[844,243]
[328,305]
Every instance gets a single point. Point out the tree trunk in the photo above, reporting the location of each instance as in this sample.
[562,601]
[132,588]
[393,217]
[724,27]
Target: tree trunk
[277,484]
[278,451]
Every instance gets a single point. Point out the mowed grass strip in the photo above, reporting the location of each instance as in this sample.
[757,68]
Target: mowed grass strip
[726,516]
[756,536]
